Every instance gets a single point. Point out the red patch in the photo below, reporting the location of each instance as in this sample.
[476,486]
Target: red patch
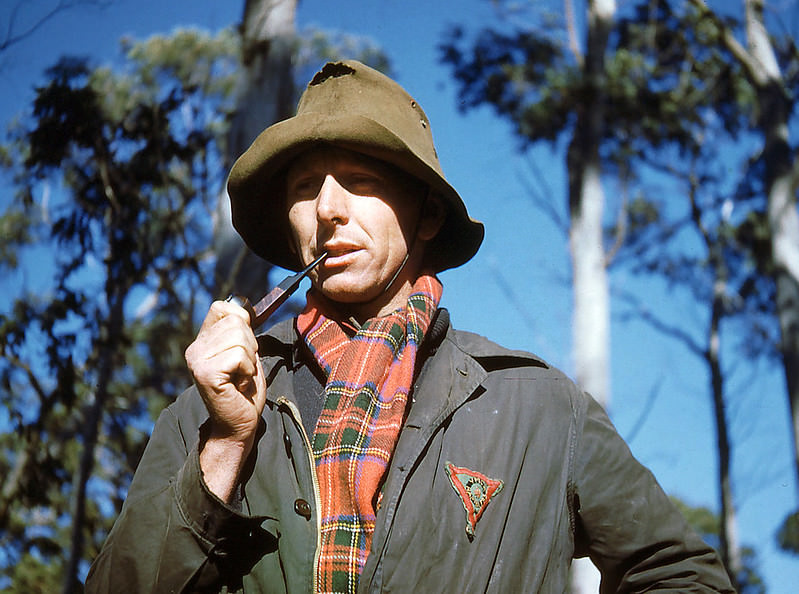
[475,491]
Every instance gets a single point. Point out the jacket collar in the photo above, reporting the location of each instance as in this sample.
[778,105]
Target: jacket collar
[453,374]
[447,379]
[276,347]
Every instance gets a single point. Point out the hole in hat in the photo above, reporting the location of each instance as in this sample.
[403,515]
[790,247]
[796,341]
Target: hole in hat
[331,70]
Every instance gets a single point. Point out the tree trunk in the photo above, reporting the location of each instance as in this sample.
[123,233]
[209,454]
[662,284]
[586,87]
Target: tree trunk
[728,530]
[586,208]
[716,263]
[266,96]
[268,39]
[759,63]
[90,433]
[591,326]
[783,219]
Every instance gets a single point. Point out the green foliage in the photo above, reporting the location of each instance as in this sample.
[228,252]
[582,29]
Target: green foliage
[706,523]
[702,519]
[665,70]
[117,174]
[14,231]
[677,108]
[788,535]
[526,77]
[33,575]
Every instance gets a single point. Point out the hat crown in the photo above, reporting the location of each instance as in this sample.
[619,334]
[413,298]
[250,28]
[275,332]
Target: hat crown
[349,88]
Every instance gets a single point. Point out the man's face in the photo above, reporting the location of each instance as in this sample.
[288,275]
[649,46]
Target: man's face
[363,212]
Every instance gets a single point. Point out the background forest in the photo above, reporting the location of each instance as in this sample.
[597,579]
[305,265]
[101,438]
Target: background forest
[635,164]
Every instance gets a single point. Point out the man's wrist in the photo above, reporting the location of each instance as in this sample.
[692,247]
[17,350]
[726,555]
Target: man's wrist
[221,460]
[213,520]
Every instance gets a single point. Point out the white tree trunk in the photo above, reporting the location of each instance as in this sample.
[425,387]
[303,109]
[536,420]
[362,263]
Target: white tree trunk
[591,324]
[266,96]
[268,38]
[760,65]
[783,218]
[591,329]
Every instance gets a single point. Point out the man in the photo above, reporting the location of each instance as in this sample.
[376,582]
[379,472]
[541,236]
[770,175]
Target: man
[367,445]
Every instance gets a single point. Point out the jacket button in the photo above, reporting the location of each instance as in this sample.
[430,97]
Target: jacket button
[302,508]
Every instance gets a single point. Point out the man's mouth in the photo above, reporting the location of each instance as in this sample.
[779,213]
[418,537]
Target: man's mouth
[339,254]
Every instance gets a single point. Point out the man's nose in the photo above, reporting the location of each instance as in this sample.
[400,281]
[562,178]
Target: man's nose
[332,202]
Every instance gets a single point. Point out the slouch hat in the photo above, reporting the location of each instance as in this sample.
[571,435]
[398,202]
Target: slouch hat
[353,106]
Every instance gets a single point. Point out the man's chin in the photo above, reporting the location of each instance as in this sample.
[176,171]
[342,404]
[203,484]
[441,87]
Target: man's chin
[347,293]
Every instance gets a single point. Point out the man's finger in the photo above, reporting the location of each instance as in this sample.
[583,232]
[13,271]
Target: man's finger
[222,366]
[222,309]
[228,332]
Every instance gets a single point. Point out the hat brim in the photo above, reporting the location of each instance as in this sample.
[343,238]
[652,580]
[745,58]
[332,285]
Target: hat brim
[257,194]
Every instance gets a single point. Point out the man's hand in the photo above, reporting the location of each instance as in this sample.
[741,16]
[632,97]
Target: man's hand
[224,363]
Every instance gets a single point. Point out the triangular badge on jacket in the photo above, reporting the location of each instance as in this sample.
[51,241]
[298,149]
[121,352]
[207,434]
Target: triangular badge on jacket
[475,491]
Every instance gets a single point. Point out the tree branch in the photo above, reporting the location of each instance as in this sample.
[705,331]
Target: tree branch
[754,70]
[644,414]
[571,29]
[12,36]
[44,398]
[621,228]
[13,480]
[543,200]
[645,314]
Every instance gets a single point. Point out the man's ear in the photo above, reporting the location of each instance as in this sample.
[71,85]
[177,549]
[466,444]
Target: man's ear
[432,217]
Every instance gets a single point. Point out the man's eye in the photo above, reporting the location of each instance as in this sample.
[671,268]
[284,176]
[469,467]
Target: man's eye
[304,188]
[363,184]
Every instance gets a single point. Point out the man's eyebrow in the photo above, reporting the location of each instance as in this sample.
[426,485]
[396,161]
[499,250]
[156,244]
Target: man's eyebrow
[300,170]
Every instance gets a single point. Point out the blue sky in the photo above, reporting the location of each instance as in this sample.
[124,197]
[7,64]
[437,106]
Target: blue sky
[516,290]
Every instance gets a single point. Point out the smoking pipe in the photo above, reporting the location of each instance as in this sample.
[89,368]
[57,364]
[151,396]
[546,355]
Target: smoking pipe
[266,306]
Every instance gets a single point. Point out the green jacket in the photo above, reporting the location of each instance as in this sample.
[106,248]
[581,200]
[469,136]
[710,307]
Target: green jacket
[480,414]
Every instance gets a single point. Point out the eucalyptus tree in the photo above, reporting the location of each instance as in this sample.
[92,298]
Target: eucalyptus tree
[769,67]
[670,76]
[114,173]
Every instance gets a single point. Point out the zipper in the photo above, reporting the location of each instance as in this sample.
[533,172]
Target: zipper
[297,417]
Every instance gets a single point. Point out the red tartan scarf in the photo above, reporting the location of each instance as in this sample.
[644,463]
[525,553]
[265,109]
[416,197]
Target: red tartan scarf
[369,377]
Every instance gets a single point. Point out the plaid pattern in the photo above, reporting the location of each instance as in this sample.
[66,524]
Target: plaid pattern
[368,380]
